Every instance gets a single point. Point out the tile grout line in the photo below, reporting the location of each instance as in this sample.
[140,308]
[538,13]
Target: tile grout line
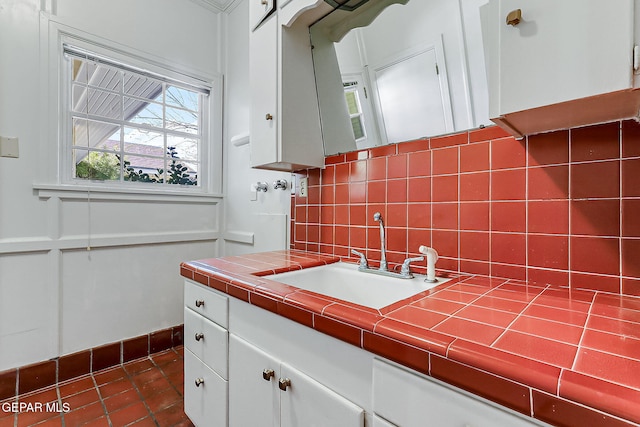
[584,330]
[526,208]
[101,400]
[518,316]
[569,210]
[620,206]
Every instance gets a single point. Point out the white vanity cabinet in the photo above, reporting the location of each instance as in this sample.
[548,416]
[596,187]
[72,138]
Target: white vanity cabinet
[257,368]
[285,117]
[405,398]
[266,391]
[206,355]
[564,64]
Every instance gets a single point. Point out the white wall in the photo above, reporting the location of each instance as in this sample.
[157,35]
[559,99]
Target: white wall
[263,221]
[56,297]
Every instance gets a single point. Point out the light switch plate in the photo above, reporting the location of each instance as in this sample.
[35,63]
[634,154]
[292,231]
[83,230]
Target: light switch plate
[8,147]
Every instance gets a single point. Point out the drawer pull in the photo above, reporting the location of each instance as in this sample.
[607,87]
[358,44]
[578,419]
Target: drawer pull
[199,381]
[284,383]
[199,303]
[199,336]
[267,374]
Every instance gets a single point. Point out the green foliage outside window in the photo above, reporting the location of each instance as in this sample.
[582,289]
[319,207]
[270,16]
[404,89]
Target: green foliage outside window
[99,166]
[102,166]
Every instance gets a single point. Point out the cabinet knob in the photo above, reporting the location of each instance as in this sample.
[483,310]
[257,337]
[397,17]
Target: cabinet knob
[199,336]
[199,303]
[268,117]
[514,17]
[267,374]
[199,381]
[284,383]
[264,2]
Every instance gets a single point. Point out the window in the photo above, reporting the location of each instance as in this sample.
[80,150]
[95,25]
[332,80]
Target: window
[355,111]
[129,126]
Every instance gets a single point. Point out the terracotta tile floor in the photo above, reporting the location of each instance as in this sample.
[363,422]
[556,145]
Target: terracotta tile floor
[144,392]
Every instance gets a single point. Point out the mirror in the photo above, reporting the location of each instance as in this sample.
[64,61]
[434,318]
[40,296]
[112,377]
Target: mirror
[416,70]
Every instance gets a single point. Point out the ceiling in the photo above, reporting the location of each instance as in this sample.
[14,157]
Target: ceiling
[218,5]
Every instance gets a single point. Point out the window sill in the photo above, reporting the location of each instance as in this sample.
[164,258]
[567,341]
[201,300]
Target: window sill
[72,191]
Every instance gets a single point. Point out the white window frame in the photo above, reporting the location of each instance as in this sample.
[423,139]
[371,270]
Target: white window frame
[55,172]
[352,87]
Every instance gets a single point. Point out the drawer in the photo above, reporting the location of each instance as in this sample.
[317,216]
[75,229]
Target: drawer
[208,341]
[408,399]
[208,302]
[205,393]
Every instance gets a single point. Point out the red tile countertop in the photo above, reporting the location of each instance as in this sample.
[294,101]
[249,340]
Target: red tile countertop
[569,358]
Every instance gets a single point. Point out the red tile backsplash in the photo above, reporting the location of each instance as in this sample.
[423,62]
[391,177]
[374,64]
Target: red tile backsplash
[474,186]
[474,157]
[561,208]
[445,161]
[595,180]
[509,216]
[630,177]
[548,148]
[509,184]
[600,142]
[548,182]
[506,154]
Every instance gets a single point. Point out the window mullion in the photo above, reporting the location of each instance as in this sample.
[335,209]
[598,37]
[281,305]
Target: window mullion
[121,95]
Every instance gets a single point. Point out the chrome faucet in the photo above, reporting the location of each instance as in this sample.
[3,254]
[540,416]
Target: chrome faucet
[383,252]
[405,272]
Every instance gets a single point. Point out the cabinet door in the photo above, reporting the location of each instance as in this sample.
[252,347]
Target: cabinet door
[259,10]
[205,393]
[560,51]
[307,403]
[263,78]
[254,398]
[406,399]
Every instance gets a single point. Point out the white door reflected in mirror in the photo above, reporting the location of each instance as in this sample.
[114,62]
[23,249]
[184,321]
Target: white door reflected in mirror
[420,65]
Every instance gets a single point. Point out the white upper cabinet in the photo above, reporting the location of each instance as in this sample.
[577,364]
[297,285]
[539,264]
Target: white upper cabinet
[264,93]
[259,10]
[285,117]
[565,63]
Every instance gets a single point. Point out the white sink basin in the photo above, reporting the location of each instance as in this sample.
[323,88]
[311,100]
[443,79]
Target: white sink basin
[343,281]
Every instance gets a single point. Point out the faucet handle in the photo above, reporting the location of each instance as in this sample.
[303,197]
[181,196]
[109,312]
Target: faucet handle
[405,271]
[262,186]
[363,260]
